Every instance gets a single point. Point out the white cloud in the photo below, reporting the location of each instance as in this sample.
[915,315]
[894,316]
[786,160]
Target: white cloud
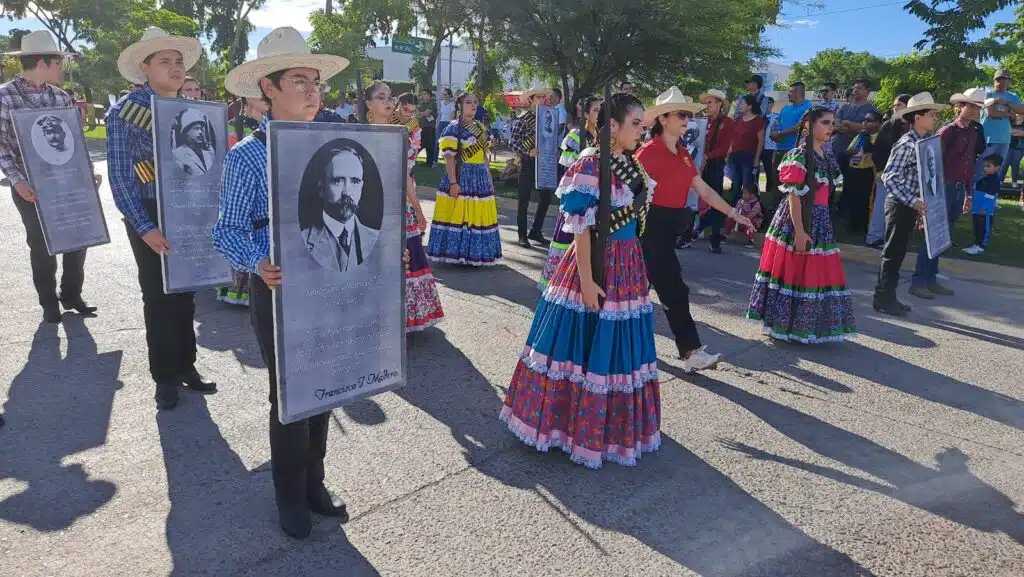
[805,23]
[294,13]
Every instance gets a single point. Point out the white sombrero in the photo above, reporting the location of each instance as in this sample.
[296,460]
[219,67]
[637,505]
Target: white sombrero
[921,101]
[975,96]
[670,101]
[38,43]
[153,40]
[282,49]
[527,95]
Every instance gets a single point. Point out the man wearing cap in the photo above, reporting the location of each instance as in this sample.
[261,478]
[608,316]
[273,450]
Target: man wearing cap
[1000,106]
[193,151]
[35,87]
[292,80]
[158,61]
[524,143]
[962,141]
[755,86]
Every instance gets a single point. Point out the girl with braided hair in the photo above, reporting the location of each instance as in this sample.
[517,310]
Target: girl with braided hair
[800,291]
[465,224]
[587,378]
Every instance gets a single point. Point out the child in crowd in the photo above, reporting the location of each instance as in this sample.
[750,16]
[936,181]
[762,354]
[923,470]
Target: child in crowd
[983,204]
[750,207]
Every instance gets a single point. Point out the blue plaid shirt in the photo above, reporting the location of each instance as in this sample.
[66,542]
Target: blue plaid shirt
[244,202]
[127,145]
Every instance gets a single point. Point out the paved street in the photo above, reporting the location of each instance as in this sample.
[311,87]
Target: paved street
[898,454]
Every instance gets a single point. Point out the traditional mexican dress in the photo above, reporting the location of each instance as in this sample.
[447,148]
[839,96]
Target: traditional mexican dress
[422,304]
[465,229]
[803,296]
[575,142]
[586,381]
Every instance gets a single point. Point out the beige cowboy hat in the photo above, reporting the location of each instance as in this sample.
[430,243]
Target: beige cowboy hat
[975,96]
[527,95]
[670,101]
[282,49]
[38,43]
[716,93]
[153,40]
[921,101]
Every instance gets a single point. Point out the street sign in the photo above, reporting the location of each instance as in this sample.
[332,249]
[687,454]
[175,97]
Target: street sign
[409,45]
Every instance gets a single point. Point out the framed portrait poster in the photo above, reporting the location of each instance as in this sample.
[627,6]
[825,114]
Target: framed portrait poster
[189,144]
[548,148]
[337,230]
[56,160]
[933,192]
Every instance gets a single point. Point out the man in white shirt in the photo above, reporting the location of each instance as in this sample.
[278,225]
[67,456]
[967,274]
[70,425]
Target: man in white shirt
[445,111]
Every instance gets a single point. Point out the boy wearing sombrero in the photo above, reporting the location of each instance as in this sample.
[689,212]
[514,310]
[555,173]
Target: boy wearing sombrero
[903,203]
[158,63]
[36,87]
[524,143]
[292,80]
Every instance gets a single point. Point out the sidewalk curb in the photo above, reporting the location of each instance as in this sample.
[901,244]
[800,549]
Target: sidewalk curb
[957,268]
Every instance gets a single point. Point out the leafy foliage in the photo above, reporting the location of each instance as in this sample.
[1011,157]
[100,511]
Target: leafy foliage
[841,66]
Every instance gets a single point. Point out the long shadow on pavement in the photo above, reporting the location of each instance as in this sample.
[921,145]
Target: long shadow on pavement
[224,327]
[222,519]
[673,502]
[57,407]
[951,491]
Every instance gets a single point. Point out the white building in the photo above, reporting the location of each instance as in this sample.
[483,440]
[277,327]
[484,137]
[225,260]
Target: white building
[453,69]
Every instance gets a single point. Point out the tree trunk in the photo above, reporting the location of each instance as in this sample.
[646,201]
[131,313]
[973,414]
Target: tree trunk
[237,40]
[427,75]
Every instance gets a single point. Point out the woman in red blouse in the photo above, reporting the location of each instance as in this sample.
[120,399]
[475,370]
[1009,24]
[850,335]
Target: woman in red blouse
[747,144]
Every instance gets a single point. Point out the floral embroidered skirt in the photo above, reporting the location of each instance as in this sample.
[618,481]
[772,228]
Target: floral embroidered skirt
[560,241]
[464,230]
[238,292]
[587,382]
[422,305]
[802,296]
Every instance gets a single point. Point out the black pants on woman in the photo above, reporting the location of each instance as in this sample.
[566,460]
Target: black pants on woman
[665,274]
[170,337]
[297,449]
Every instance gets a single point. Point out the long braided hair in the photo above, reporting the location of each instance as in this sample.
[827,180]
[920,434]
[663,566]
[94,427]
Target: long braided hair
[805,141]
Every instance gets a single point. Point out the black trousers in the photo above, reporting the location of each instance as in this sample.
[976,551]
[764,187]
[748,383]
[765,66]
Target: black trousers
[899,223]
[429,140]
[857,187]
[665,274]
[297,449]
[714,175]
[170,337]
[44,266]
[527,167]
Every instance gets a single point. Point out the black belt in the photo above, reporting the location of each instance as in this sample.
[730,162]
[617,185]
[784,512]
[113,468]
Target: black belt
[261,223]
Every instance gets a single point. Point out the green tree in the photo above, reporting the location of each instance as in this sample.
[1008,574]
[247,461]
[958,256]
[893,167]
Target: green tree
[652,43]
[841,66]
[99,61]
[910,74]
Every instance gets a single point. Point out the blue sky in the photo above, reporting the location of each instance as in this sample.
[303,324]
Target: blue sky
[878,26]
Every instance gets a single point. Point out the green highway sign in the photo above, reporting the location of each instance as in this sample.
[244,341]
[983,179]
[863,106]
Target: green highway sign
[409,45]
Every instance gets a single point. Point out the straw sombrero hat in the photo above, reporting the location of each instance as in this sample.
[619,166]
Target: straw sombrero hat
[154,40]
[38,43]
[282,49]
[975,96]
[921,101]
[670,101]
[716,93]
[527,95]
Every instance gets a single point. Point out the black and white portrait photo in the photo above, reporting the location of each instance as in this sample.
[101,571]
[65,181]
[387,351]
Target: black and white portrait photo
[52,140]
[340,205]
[549,121]
[933,192]
[193,142]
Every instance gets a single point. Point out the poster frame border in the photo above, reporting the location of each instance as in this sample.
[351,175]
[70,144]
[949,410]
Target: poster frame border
[536,139]
[919,145]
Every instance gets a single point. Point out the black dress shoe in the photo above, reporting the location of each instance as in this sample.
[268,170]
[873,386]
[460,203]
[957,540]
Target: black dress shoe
[893,307]
[78,305]
[322,502]
[525,243]
[538,238]
[196,382]
[295,520]
[166,395]
[51,314]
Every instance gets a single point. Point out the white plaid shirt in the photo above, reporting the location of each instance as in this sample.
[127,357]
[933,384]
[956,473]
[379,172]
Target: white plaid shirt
[900,174]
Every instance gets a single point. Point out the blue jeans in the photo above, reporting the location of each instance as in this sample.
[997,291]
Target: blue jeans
[927,269]
[1003,150]
[1012,164]
[742,166]
[876,227]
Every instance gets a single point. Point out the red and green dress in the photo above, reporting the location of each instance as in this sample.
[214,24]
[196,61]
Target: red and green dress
[803,297]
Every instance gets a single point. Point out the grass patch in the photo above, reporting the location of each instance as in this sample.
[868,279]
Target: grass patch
[431,177]
[98,132]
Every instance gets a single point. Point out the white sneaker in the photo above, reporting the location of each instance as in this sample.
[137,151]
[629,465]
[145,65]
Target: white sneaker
[701,360]
[973,249]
